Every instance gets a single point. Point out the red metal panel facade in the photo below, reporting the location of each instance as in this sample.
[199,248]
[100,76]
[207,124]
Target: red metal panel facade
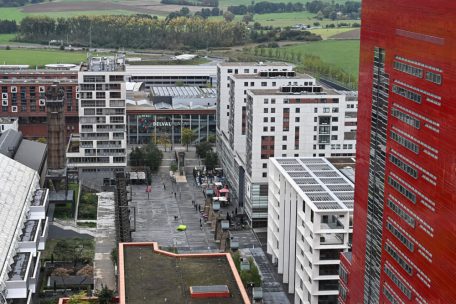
[418,231]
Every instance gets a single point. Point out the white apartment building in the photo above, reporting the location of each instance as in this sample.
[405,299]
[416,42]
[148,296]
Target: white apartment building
[310,210]
[101,145]
[229,158]
[274,112]
[23,230]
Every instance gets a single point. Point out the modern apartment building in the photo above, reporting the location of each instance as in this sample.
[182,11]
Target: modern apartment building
[23,230]
[101,145]
[23,97]
[310,208]
[404,234]
[226,108]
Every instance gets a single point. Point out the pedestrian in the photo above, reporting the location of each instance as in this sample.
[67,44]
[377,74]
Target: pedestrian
[174,194]
[235,211]
[199,208]
[200,221]
[201,226]
[193,203]
[164,186]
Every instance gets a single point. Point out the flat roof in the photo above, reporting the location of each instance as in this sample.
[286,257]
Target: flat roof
[38,81]
[193,91]
[256,76]
[17,186]
[261,64]
[171,70]
[8,120]
[315,178]
[276,91]
[150,275]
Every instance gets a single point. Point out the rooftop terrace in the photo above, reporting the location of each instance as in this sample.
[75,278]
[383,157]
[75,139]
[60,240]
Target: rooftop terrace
[150,275]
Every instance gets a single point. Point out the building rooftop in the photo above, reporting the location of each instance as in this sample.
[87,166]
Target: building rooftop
[30,153]
[150,275]
[104,64]
[258,76]
[17,185]
[171,70]
[38,81]
[8,120]
[184,92]
[316,179]
[277,91]
[281,64]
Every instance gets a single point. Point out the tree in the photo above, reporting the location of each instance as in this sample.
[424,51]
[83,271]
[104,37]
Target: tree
[228,16]
[105,295]
[203,148]
[153,157]
[42,140]
[187,136]
[164,141]
[211,138]
[79,298]
[247,18]
[211,160]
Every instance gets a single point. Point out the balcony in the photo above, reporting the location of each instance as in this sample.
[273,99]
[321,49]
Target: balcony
[39,204]
[332,239]
[23,276]
[28,241]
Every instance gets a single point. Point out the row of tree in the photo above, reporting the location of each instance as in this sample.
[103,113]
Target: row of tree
[134,31]
[212,3]
[261,36]
[8,26]
[331,10]
[148,155]
[15,3]
[265,7]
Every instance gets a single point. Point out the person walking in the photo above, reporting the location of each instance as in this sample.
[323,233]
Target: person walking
[199,208]
[164,186]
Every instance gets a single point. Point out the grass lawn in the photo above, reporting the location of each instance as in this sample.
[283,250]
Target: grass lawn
[284,19]
[82,13]
[327,33]
[88,204]
[5,38]
[226,3]
[341,53]
[61,249]
[11,13]
[40,57]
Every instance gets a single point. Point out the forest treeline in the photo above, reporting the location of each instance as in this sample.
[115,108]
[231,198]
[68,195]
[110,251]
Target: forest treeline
[323,9]
[133,32]
[211,3]
[8,26]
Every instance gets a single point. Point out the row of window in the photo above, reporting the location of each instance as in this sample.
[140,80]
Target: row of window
[390,297]
[405,142]
[410,120]
[404,191]
[407,292]
[433,77]
[409,69]
[404,166]
[419,64]
[407,94]
[402,213]
[344,146]
[400,236]
[395,255]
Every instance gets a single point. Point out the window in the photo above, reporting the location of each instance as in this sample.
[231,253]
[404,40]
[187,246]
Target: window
[297,110]
[333,137]
[335,119]
[433,77]
[273,101]
[405,142]
[403,166]
[335,110]
[406,118]
[296,119]
[230,70]
[395,255]
[265,129]
[273,110]
[409,69]
[284,137]
[272,119]
[315,110]
[400,236]
[246,71]
[265,165]
[272,129]
[246,84]
[401,213]
[334,128]
[326,110]
[265,110]
[265,174]
[407,94]
[284,147]
[265,119]
[252,84]
[401,189]
[407,292]
[266,101]
[390,296]
[263,84]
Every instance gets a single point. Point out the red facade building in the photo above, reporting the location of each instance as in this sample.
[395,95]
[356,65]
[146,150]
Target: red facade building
[23,96]
[404,241]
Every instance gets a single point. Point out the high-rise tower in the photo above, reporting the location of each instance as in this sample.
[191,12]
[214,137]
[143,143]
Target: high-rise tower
[404,248]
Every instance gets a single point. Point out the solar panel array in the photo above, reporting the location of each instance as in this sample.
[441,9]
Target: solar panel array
[184,91]
[321,182]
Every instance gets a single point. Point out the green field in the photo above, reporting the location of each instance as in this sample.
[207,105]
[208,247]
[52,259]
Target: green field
[226,3]
[341,53]
[5,38]
[327,33]
[11,13]
[39,57]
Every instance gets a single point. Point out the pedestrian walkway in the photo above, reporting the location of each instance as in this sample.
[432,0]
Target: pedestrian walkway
[105,242]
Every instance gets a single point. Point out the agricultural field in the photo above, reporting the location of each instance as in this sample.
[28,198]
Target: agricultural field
[40,57]
[6,38]
[226,3]
[341,53]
